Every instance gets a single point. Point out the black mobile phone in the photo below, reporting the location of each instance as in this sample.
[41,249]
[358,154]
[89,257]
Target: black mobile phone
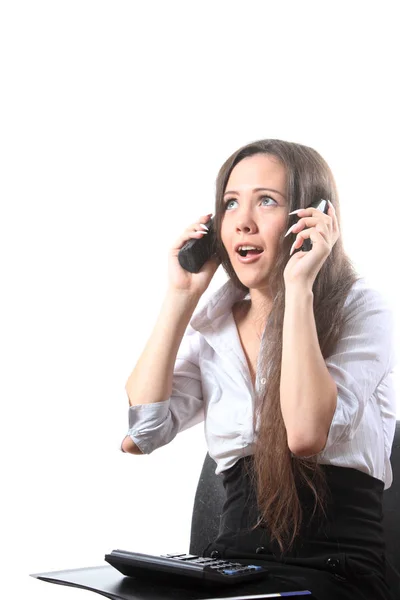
[321,205]
[196,252]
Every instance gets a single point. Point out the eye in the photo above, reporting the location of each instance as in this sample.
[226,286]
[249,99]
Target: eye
[227,202]
[268,198]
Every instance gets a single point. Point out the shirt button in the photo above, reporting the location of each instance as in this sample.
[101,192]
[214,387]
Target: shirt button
[333,563]
[263,381]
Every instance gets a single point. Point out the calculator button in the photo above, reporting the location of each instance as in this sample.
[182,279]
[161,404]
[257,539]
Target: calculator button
[230,571]
[207,560]
[199,561]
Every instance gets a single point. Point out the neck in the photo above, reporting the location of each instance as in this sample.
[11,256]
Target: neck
[258,309]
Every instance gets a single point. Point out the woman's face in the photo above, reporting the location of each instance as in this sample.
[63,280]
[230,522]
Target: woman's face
[254,217]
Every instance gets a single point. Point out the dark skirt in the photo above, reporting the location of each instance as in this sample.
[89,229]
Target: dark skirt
[340,558]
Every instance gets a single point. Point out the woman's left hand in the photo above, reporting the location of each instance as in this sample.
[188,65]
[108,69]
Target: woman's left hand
[323,230]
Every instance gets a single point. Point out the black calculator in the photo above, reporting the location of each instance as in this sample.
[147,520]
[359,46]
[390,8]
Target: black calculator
[184,568]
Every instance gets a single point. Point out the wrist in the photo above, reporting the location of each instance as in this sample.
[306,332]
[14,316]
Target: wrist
[298,292]
[182,298]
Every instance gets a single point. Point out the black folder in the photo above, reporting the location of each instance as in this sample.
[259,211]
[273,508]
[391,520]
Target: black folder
[109,582]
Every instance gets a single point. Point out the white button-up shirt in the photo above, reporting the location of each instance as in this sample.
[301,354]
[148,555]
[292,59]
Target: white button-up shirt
[211,382]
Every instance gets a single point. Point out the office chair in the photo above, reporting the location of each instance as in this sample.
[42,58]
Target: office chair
[210,496]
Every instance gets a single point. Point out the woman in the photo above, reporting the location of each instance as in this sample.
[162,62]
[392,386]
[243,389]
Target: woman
[290,363]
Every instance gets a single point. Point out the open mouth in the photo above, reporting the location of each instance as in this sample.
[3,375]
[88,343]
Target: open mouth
[245,253]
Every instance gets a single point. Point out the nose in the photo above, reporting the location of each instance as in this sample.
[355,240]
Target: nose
[245,222]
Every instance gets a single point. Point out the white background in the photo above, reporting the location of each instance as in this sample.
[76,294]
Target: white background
[115,119]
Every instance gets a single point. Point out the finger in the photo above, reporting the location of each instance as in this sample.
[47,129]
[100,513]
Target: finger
[309,209]
[201,223]
[195,231]
[205,218]
[314,234]
[317,221]
[301,223]
[317,217]
[200,228]
[197,227]
[310,222]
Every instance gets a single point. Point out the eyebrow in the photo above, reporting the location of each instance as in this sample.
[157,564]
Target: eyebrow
[258,189]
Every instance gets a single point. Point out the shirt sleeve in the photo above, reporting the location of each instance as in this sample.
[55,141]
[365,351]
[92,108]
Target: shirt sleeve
[156,424]
[363,356]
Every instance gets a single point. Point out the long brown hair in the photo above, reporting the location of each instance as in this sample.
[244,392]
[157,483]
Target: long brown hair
[275,470]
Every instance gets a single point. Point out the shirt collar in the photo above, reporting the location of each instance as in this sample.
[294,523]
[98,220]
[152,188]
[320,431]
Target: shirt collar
[215,322]
[218,306]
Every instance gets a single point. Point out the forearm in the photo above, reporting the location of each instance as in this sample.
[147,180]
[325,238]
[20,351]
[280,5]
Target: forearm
[308,392]
[151,379]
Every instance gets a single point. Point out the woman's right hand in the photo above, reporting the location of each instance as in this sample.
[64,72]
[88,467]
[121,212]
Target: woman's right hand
[194,284]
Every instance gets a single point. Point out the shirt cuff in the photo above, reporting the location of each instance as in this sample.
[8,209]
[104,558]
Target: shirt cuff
[145,422]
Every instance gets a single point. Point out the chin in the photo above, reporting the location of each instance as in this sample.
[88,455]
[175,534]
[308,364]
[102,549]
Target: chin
[252,282]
